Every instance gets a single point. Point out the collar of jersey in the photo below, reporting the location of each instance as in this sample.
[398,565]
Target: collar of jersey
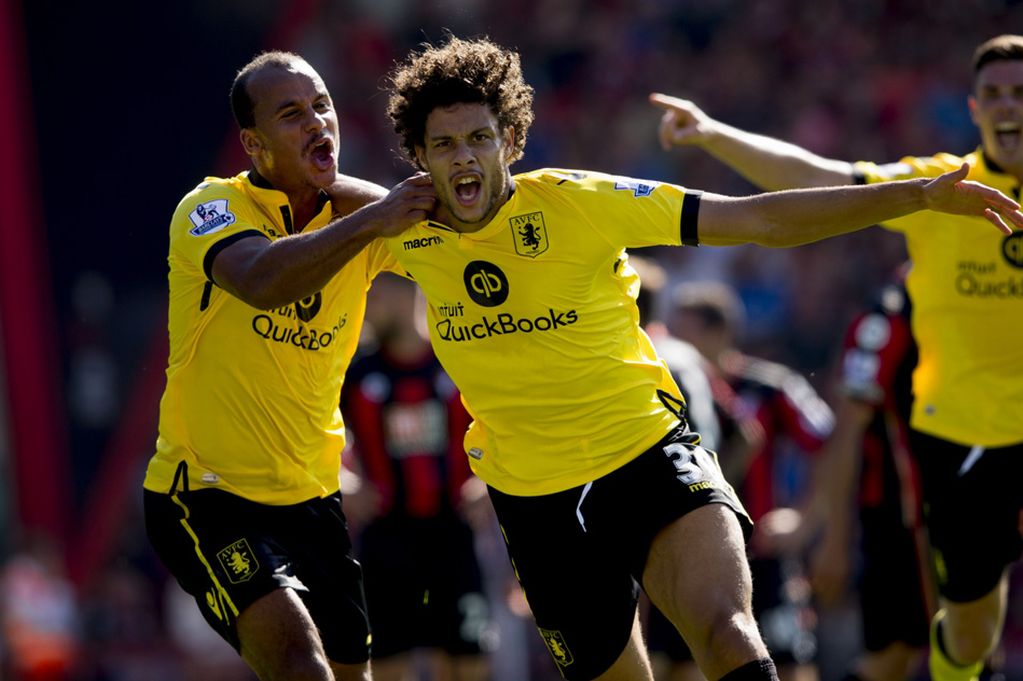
[264,192]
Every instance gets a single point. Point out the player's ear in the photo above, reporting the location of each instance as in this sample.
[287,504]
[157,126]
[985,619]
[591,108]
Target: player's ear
[251,141]
[421,158]
[508,140]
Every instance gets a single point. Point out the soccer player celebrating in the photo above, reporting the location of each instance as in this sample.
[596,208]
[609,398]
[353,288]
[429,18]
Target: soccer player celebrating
[597,481]
[267,295]
[967,296]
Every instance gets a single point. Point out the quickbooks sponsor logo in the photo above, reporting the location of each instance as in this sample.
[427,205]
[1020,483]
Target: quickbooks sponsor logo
[300,336]
[982,280]
[485,283]
[504,324]
[1012,249]
[974,287]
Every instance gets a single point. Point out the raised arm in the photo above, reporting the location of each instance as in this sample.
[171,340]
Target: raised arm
[268,274]
[799,216]
[766,162]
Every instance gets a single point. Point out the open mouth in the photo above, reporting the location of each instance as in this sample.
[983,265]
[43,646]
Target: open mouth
[321,153]
[1008,134]
[467,189]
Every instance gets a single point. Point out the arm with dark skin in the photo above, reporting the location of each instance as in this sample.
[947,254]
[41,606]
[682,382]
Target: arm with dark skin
[268,274]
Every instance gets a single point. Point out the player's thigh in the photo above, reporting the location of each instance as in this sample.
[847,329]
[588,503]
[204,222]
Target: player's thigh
[697,574]
[278,638]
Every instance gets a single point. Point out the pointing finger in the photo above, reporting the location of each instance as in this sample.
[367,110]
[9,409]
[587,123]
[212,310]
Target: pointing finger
[665,101]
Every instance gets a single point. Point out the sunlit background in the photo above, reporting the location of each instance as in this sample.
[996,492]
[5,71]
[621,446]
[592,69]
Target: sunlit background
[113,110]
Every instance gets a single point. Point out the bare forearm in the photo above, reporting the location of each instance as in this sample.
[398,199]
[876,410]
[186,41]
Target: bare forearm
[268,274]
[299,266]
[771,163]
[799,216]
[294,267]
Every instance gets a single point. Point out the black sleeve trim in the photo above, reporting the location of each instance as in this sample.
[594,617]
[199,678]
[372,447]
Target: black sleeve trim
[215,249]
[859,177]
[690,213]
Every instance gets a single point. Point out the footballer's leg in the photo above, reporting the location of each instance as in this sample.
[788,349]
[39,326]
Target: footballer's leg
[698,576]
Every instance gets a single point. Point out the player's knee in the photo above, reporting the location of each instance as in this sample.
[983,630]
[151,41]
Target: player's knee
[735,635]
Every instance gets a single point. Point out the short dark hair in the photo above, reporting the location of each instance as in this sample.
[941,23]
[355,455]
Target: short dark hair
[462,71]
[242,105]
[1000,48]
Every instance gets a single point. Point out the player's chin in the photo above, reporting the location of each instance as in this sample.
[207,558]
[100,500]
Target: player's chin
[322,177]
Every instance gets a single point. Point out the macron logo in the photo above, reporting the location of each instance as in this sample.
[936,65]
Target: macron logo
[413,244]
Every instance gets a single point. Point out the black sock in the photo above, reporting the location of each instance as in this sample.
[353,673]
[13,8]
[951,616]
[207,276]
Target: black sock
[757,670]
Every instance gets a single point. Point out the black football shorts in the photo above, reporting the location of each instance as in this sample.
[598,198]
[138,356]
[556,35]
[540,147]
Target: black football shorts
[579,554]
[972,503]
[227,552]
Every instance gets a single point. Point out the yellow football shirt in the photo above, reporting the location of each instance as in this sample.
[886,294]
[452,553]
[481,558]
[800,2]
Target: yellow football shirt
[251,403]
[966,285]
[534,318]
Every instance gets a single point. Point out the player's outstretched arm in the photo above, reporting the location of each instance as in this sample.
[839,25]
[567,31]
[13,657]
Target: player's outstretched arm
[799,216]
[766,162]
[268,274]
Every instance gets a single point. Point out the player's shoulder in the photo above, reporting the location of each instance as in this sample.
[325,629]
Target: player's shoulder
[213,204]
[913,166]
[215,189]
[351,193]
[937,164]
[571,180]
[555,177]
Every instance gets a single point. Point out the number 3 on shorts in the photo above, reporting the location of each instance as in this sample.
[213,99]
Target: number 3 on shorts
[694,464]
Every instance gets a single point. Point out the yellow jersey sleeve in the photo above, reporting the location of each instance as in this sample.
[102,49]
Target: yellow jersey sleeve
[966,287]
[628,212]
[208,219]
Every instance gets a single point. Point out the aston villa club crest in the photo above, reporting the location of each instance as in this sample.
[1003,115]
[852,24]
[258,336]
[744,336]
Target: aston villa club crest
[530,234]
[556,645]
[238,562]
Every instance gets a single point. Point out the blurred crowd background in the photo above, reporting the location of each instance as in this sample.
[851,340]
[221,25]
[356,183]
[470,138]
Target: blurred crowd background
[116,109]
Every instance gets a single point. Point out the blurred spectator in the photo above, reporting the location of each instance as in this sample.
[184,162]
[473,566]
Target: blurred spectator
[869,481]
[794,422]
[418,499]
[39,617]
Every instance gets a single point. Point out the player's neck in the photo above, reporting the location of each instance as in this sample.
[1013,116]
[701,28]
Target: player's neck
[306,201]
